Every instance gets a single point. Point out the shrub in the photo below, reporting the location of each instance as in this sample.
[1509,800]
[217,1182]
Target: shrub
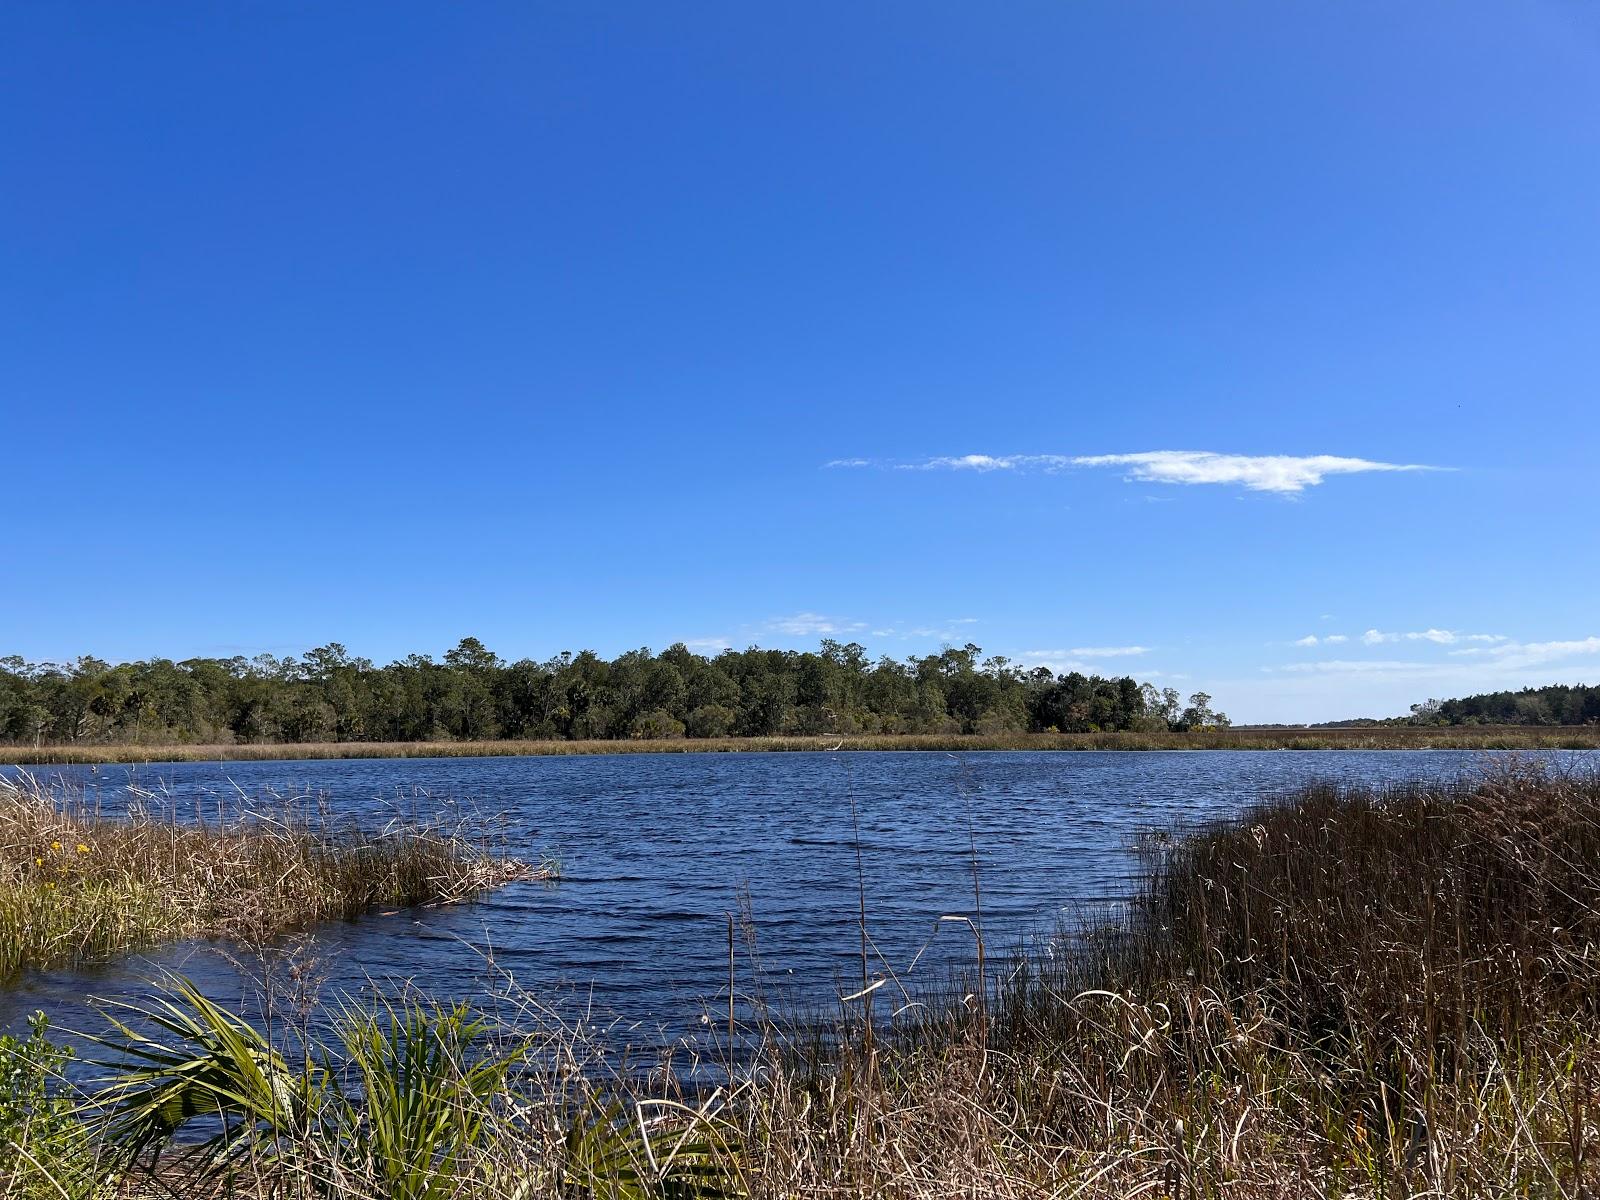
[710,720]
[655,725]
[44,1148]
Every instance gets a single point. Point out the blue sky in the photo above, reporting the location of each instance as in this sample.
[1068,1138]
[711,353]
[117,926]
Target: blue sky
[569,325]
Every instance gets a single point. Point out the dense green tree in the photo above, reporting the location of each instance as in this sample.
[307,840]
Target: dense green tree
[472,694]
[1200,716]
[1559,704]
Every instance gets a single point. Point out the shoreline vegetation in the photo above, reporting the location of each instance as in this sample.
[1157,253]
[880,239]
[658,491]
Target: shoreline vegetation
[78,885]
[474,695]
[1350,992]
[1362,737]
[329,704]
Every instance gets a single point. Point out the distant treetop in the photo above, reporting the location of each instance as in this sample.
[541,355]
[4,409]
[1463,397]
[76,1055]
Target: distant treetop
[473,695]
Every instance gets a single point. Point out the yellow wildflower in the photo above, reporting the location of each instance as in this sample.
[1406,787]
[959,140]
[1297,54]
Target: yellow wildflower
[38,862]
[50,885]
[56,846]
[82,849]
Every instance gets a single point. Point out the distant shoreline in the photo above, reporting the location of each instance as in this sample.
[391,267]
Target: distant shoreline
[1484,737]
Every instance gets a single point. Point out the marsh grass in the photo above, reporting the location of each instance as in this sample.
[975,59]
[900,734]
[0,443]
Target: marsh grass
[1479,737]
[1350,993]
[79,885]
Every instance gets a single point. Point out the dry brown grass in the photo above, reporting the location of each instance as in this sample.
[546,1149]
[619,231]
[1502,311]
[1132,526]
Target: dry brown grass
[76,885]
[1480,737]
[1352,994]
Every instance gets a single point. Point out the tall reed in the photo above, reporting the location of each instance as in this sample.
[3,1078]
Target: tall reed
[77,884]
[1351,992]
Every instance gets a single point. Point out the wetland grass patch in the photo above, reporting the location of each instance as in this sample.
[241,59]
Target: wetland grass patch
[1380,737]
[1352,992]
[77,885]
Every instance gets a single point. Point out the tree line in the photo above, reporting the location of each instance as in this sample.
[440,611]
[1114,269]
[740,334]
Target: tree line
[474,695]
[1556,704]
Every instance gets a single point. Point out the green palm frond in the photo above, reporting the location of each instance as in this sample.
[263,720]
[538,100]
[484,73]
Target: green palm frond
[409,1107]
[615,1151]
[422,1084]
[180,1058]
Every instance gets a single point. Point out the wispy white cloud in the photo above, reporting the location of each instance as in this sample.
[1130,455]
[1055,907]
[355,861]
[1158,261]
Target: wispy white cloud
[991,462]
[1054,660]
[1352,687]
[1528,654]
[1327,639]
[944,631]
[815,625]
[1063,662]
[1283,474]
[1079,658]
[1487,667]
[1345,666]
[709,645]
[939,632]
[810,624]
[1439,637]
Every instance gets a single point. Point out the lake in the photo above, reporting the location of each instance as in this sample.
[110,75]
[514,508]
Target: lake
[657,850]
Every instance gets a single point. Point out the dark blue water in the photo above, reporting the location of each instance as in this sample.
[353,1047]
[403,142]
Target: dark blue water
[657,849]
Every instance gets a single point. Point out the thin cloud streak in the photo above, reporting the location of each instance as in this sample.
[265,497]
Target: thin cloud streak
[1504,657]
[1346,666]
[1081,658]
[1529,654]
[1279,474]
[1439,637]
[810,624]
[1033,660]
[990,462]
[1468,664]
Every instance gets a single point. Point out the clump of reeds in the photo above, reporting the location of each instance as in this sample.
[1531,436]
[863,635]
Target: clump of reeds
[77,884]
[1349,992]
[1453,910]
